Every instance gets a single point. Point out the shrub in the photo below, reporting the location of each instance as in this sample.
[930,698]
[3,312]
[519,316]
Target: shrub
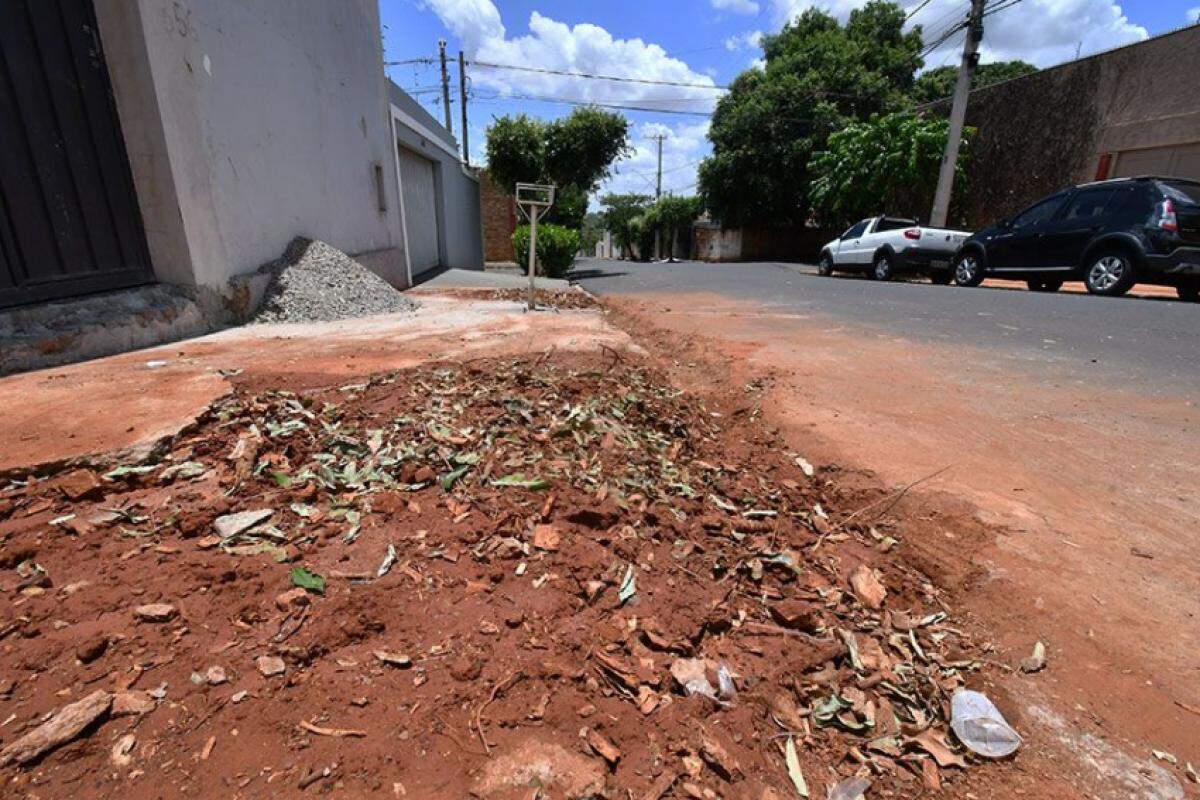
[556,249]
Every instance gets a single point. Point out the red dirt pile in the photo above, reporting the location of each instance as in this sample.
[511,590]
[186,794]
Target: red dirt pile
[542,578]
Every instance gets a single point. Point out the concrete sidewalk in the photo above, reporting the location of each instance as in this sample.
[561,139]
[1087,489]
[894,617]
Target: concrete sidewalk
[473,279]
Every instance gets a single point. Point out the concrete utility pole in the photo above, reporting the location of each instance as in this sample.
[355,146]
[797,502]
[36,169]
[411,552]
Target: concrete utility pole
[445,84]
[658,194]
[462,98]
[958,114]
[658,183]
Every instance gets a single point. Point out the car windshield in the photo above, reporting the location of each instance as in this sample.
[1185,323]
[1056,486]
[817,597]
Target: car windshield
[1182,192]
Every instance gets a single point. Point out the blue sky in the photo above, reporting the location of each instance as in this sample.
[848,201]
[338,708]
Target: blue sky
[698,43]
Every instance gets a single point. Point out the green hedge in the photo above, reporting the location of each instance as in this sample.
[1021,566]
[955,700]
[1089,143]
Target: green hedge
[556,248]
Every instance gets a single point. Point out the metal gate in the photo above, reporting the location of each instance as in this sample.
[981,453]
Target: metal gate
[69,222]
[418,182]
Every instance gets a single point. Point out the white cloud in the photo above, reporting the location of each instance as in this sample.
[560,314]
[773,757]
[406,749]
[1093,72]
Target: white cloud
[1043,32]
[736,6]
[583,48]
[743,41]
[1193,15]
[686,144]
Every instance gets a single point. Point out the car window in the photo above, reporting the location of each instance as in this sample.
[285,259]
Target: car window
[1089,204]
[894,224]
[856,230]
[1182,192]
[1038,213]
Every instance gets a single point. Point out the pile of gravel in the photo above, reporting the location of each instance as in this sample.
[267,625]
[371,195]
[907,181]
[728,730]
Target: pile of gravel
[315,282]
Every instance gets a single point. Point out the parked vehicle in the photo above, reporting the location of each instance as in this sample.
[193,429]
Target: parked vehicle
[1109,234]
[883,247]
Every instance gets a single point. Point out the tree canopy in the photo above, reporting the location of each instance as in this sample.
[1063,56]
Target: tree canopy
[888,164]
[671,213]
[818,77]
[938,84]
[622,214]
[575,153]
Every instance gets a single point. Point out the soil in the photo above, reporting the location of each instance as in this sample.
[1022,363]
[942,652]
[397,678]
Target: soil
[1107,584]
[567,299]
[573,538]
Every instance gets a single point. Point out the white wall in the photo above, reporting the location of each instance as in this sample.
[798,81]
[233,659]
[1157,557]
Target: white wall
[250,122]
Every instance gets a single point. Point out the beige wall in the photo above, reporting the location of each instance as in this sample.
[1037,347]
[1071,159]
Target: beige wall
[248,123]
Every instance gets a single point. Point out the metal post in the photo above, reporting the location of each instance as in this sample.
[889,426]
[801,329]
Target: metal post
[462,98]
[533,218]
[445,84]
[958,113]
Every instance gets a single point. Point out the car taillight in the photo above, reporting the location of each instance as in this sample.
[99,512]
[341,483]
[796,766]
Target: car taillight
[914,233]
[1166,216]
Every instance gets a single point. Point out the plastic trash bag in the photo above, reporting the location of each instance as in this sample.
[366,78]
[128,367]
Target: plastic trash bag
[980,726]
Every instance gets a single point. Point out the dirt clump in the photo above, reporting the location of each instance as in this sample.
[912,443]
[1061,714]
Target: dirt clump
[474,580]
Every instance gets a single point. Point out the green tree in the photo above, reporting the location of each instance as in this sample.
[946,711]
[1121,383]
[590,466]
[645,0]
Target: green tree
[886,165]
[575,153]
[671,214]
[621,212]
[938,84]
[818,76]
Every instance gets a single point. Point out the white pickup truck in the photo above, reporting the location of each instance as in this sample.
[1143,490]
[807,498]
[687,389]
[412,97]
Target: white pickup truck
[883,247]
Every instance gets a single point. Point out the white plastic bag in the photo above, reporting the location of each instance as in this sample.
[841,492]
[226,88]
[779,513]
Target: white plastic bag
[980,726]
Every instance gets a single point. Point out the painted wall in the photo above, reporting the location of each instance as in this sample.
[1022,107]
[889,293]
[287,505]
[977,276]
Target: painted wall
[1140,96]
[251,123]
[460,242]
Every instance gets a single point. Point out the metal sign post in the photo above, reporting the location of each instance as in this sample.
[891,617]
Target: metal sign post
[534,200]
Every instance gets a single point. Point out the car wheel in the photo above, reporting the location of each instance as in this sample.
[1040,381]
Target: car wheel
[1045,284]
[881,270]
[968,270]
[825,266]
[941,277]
[1189,293]
[1109,274]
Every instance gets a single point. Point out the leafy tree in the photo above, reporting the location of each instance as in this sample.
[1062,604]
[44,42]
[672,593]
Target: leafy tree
[669,214]
[818,77]
[621,211]
[575,153]
[938,84]
[886,165]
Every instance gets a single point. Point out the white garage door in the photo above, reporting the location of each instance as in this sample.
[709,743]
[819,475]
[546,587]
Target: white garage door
[1179,161]
[420,210]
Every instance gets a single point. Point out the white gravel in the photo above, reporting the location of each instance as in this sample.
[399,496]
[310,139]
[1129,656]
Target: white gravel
[315,282]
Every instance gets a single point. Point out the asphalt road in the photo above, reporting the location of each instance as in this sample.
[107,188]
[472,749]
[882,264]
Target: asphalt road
[1080,338]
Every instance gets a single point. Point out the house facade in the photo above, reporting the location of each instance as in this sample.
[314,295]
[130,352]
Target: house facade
[186,142]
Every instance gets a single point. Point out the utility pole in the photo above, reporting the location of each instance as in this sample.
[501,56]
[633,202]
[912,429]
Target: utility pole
[958,113]
[658,194]
[658,182]
[445,84]
[462,98]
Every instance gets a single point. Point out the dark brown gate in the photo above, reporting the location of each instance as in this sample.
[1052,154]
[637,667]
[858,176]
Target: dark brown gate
[69,221]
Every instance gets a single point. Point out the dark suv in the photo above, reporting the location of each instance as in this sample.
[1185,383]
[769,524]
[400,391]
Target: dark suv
[1111,235]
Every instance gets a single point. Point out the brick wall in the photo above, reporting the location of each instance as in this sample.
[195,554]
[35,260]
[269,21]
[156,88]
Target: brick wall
[499,221]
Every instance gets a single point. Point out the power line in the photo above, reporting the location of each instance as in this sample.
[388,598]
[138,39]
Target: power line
[591,76]
[577,102]
[1001,5]
[916,10]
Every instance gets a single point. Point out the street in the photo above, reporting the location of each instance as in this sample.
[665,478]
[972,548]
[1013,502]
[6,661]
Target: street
[1064,425]
[1122,341]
